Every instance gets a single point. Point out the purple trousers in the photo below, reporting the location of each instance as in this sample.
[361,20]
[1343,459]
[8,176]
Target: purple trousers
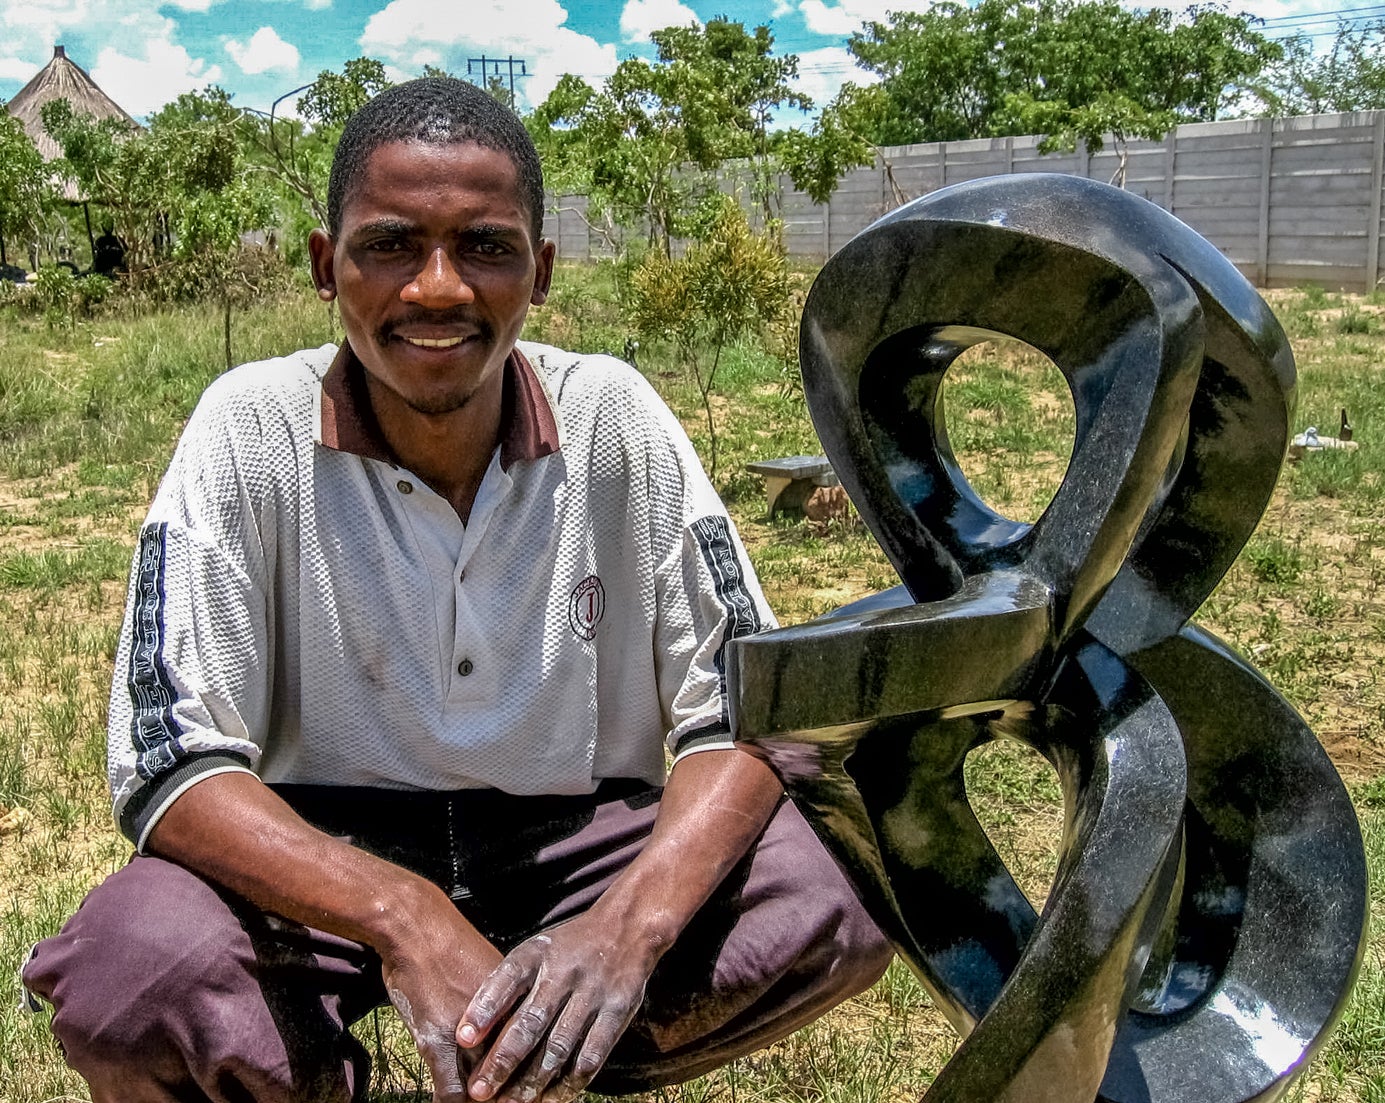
[167,988]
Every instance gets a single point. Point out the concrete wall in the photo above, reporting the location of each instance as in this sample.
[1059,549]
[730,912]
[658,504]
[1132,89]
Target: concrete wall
[1288,200]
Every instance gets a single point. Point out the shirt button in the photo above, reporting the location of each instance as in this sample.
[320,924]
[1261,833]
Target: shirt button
[464,667]
[405,487]
[461,576]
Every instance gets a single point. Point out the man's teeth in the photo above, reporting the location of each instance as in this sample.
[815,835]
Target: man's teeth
[434,343]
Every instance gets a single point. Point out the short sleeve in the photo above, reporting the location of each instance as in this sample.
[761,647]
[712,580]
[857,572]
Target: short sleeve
[191,685]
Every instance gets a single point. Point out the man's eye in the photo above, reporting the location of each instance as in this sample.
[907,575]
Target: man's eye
[489,248]
[385,245]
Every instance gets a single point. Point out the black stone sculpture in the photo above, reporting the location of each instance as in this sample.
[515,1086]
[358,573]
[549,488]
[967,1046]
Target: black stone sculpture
[1208,913]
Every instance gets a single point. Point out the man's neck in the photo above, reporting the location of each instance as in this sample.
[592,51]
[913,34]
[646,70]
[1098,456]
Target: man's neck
[450,452]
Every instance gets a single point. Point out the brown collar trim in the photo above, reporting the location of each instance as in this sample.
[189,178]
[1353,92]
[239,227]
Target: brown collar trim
[348,422]
[529,428]
[532,426]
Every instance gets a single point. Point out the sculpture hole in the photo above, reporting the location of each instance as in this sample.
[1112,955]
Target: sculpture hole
[1016,796]
[1011,422]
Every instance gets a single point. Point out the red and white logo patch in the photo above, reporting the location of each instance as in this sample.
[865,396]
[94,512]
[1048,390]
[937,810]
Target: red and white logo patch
[586,607]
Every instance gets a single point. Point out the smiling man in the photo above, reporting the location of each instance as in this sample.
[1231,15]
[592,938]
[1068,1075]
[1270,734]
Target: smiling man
[412,624]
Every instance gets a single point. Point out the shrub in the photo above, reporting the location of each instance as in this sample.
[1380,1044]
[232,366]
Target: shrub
[730,283]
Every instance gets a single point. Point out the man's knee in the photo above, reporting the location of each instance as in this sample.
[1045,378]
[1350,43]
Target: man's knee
[858,954]
[813,912]
[124,967]
[784,940]
[159,983]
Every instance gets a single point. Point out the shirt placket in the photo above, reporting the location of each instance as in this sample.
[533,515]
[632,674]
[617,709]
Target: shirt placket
[471,644]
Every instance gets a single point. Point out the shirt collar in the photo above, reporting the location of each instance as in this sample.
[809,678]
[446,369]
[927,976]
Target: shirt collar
[528,424]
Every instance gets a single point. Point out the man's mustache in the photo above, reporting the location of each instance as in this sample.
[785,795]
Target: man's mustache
[458,318]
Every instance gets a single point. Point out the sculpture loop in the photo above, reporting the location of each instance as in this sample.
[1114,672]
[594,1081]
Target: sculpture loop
[1208,913]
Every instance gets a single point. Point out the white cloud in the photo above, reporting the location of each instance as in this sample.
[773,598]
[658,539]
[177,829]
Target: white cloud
[640,17]
[822,72]
[40,23]
[318,5]
[144,84]
[265,51]
[845,17]
[529,30]
[140,64]
[13,68]
[191,5]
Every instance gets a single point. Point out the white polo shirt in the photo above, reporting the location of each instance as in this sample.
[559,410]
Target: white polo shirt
[303,608]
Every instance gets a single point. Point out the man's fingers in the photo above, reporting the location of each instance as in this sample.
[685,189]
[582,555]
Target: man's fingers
[551,1018]
[526,1030]
[610,1024]
[553,1056]
[436,1046]
[448,1089]
[575,1051]
[449,1086]
[499,992]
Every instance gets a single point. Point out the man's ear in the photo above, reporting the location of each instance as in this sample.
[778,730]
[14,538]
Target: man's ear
[543,272]
[322,249]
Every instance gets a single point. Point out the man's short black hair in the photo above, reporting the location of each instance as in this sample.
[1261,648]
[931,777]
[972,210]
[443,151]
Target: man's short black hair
[438,111]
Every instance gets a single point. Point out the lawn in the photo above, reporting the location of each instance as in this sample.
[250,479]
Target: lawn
[89,411]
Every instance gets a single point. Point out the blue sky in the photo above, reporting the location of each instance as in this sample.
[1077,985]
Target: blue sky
[145,52]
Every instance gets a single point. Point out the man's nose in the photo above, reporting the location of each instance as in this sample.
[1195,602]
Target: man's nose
[438,284]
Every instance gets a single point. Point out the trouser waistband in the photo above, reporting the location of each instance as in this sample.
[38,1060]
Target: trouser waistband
[462,840]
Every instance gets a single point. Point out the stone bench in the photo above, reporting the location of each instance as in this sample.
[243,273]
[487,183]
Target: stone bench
[789,480]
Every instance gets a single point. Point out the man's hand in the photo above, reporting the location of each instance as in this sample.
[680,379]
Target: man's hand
[558,1004]
[430,979]
[555,1008]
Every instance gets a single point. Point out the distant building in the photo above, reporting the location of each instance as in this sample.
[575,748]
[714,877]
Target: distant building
[62,79]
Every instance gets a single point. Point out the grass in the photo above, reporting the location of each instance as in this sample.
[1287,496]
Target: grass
[88,417]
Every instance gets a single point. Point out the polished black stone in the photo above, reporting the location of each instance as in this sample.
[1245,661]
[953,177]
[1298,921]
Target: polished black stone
[1208,914]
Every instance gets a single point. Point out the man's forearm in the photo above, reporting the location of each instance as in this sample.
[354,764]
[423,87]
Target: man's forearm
[234,831]
[714,807]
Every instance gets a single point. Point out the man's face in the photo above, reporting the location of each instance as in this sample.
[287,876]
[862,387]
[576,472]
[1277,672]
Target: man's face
[434,270]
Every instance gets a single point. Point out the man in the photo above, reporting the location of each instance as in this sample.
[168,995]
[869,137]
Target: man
[108,253]
[406,623]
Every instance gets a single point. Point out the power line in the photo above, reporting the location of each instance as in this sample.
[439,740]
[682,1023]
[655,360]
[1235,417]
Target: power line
[493,64]
[1368,11]
[1276,27]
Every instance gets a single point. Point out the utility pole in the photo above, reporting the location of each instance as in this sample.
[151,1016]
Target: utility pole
[490,66]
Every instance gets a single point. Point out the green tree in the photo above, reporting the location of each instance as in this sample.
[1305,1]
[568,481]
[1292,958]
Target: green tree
[816,160]
[25,191]
[644,145]
[335,97]
[182,192]
[298,152]
[114,170]
[728,284]
[941,74]
[1072,70]
[732,84]
[1348,76]
[213,195]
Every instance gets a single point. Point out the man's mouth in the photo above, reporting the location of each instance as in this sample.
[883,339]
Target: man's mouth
[433,342]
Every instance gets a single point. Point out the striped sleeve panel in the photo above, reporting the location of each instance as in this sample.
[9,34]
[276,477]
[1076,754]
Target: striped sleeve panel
[153,730]
[161,762]
[723,562]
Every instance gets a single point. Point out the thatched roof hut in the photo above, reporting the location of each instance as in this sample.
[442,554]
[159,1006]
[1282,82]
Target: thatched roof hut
[61,79]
